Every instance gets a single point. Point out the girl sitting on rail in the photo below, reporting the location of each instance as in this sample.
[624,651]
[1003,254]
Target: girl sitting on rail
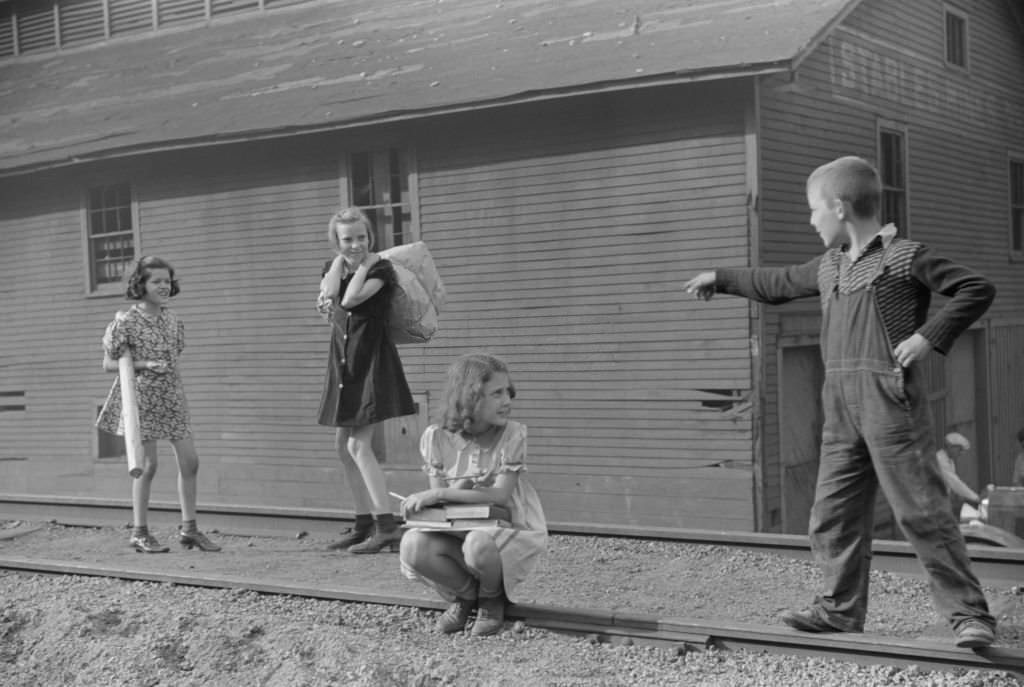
[155,337]
[475,455]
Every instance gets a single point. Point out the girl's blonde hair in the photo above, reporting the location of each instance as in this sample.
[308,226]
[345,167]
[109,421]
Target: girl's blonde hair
[463,388]
[348,216]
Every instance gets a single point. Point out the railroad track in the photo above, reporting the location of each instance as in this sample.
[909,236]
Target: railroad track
[603,626]
[995,566]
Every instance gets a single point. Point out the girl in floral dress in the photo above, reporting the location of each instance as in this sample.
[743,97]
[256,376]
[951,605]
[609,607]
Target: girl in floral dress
[155,337]
[476,455]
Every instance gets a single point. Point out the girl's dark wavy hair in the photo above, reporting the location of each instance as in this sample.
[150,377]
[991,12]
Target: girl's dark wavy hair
[135,282]
[463,388]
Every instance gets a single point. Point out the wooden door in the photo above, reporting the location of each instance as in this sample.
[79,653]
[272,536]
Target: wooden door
[800,419]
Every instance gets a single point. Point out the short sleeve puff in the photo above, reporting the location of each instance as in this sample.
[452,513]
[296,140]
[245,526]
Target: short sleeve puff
[433,457]
[383,270]
[513,452]
[115,338]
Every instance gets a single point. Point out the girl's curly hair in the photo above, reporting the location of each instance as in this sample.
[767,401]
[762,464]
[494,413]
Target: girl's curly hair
[463,388]
[136,279]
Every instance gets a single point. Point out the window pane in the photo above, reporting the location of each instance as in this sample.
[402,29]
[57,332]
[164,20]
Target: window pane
[399,179]
[362,180]
[109,221]
[124,218]
[110,196]
[891,149]
[956,40]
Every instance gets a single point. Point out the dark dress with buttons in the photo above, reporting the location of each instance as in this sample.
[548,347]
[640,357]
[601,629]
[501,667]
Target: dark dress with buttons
[365,383]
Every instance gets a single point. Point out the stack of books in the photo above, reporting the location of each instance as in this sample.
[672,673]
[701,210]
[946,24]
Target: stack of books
[460,516]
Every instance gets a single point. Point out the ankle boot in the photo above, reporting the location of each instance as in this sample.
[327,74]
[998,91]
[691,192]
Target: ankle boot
[386,534]
[454,619]
[490,615]
[360,531]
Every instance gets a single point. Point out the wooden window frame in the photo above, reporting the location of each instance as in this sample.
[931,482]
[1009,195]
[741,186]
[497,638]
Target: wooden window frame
[1015,204]
[385,239]
[888,128]
[92,286]
[949,12]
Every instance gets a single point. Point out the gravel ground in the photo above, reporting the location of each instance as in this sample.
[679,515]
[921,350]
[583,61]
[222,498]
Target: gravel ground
[102,632]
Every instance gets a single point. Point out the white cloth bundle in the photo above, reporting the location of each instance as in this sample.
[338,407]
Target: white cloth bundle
[418,295]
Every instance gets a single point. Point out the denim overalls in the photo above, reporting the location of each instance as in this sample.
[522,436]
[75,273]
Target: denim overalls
[878,432]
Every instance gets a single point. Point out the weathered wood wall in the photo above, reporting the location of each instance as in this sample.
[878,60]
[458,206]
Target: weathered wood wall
[885,65]
[563,231]
[566,240]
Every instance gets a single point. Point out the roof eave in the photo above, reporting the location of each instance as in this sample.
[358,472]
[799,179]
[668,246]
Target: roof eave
[668,79]
[824,32]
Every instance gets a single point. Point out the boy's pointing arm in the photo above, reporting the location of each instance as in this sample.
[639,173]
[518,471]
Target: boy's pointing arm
[770,284]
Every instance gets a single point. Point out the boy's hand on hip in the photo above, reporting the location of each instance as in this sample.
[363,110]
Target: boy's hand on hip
[913,349]
[702,286]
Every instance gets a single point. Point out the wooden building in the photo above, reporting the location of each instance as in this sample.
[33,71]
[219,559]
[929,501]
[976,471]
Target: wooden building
[569,164]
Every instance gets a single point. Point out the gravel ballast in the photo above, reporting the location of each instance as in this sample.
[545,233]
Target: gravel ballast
[58,630]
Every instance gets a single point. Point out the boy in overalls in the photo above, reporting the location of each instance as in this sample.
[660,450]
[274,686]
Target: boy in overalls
[875,291]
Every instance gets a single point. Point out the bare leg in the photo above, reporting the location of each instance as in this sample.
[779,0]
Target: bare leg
[188,469]
[437,557]
[189,535]
[484,561]
[361,449]
[141,485]
[360,496]
[481,557]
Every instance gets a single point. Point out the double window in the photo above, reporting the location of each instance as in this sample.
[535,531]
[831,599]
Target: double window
[382,183]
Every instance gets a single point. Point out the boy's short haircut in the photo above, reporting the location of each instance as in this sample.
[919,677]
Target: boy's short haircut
[851,179]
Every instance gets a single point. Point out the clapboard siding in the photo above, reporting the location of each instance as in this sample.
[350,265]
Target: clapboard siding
[885,61]
[563,237]
[563,247]
[247,236]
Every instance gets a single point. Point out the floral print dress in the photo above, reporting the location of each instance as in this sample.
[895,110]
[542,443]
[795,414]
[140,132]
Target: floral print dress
[163,409]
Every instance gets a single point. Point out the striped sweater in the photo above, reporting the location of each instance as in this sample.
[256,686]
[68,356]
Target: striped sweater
[910,274]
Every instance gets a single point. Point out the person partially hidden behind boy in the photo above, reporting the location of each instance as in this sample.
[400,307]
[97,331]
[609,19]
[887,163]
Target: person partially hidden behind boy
[959,493]
[875,290]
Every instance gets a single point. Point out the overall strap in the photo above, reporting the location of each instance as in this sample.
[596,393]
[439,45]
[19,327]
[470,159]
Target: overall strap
[880,268]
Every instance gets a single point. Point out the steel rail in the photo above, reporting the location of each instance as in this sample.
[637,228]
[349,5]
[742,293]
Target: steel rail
[616,627]
[994,566]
